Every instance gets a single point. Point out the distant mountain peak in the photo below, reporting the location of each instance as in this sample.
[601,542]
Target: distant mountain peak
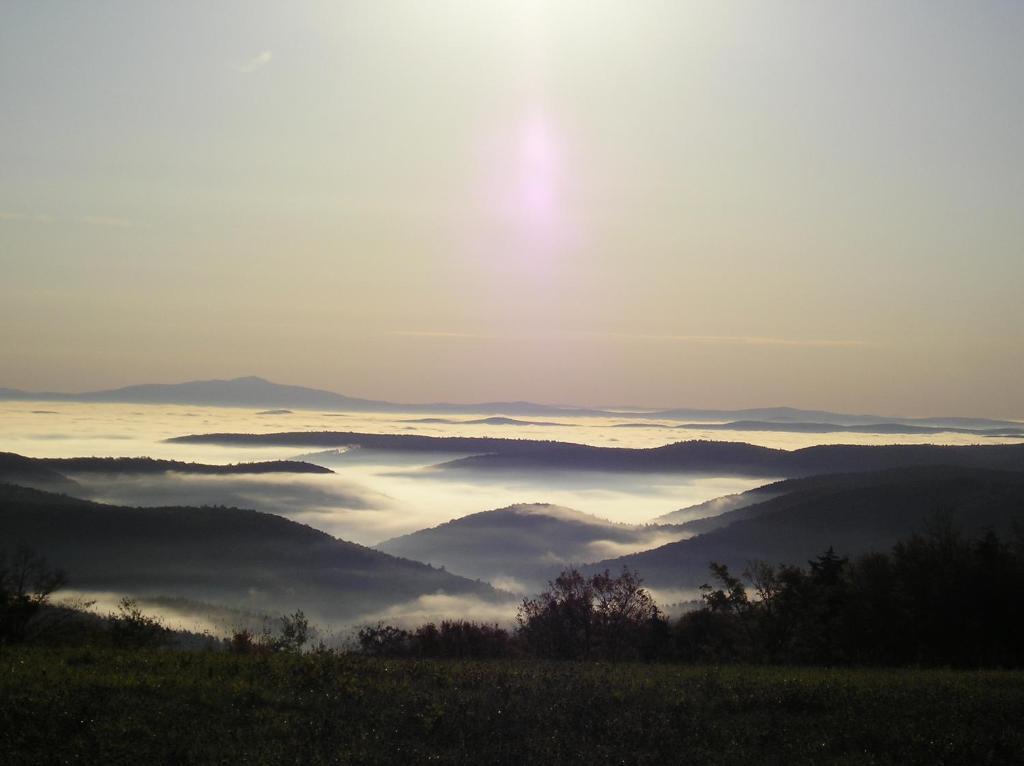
[260,393]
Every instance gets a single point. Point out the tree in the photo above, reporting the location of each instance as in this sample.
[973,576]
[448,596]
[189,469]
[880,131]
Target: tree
[295,632]
[579,618]
[623,612]
[460,638]
[26,584]
[720,630]
[731,597]
[559,621]
[936,598]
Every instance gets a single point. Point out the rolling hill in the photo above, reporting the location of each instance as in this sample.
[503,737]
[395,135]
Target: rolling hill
[29,472]
[525,543]
[737,458]
[867,428]
[238,558]
[148,465]
[50,474]
[854,515]
[695,456]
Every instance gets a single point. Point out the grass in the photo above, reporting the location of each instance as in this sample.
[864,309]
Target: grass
[154,707]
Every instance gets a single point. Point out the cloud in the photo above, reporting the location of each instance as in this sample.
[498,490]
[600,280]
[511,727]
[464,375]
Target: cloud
[439,334]
[98,220]
[286,495]
[600,550]
[256,62]
[88,220]
[12,215]
[731,340]
[670,599]
[742,340]
[441,606]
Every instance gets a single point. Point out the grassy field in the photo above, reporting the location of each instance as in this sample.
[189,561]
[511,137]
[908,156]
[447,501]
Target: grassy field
[111,707]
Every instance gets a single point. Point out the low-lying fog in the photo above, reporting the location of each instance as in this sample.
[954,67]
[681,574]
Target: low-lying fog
[374,497]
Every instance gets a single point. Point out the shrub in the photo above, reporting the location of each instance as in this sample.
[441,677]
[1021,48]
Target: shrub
[130,628]
[382,640]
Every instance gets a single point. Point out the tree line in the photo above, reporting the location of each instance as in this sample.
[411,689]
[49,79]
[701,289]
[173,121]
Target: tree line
[938,598]
[935,599]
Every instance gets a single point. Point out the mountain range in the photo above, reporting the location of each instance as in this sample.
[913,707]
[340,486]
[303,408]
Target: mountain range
[255,392]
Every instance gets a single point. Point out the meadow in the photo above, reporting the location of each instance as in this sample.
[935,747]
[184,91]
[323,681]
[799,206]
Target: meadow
[112,706]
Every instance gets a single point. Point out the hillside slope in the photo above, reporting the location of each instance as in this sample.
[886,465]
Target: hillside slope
[29,472]
[230,556]
[525,542]
[738,458]
[853,517]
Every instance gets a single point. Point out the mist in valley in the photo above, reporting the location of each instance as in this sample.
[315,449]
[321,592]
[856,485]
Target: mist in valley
[387,498]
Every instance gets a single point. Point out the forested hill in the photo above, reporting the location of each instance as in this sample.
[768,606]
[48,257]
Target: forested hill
[237,557]
[147,465]
[388,442]
[29,472]
[698,456]
[35,472]
[527,542]
[746,459]
[851,516]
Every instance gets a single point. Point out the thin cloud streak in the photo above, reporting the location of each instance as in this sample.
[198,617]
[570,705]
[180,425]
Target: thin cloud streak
[438,334]
[87,220]
[257,62]
[11,215]
[733,340]
[98,220]
[745,340]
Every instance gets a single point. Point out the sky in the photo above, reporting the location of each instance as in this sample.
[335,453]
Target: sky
[717,204]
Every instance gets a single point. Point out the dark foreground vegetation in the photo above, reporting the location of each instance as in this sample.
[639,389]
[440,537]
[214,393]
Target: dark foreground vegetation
[797,667]
[109,706]
[936,599]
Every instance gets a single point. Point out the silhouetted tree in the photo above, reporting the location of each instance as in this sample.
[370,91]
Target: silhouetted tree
[598,617]
[936,598]
[26,584]
[559,622]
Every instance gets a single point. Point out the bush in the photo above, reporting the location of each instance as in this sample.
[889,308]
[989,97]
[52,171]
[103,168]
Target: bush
[382,640]
[295,633]
[130,628]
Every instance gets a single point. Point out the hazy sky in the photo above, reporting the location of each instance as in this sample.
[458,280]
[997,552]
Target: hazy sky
[664,203]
